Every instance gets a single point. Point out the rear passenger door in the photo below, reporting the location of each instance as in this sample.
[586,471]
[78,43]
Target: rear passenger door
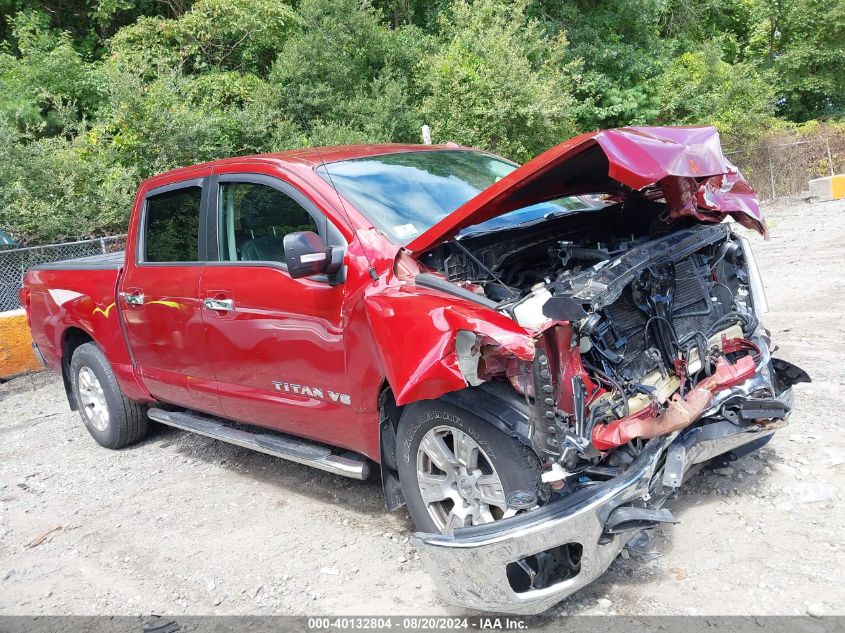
[278,341]
[159,298]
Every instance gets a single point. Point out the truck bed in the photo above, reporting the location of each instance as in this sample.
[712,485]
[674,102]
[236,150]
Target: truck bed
[106,261]
[78,295]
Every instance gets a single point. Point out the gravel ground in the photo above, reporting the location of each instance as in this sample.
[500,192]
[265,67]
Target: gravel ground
[183,524]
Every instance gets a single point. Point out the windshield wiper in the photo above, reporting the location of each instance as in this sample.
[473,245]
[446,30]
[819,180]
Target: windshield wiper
[551,215]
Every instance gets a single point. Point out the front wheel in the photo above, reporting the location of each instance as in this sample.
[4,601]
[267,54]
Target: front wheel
[457,470]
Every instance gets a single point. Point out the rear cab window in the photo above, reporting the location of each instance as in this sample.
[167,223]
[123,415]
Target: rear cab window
[172,226]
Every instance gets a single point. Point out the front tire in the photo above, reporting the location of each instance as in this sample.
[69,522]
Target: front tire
[111,419]
[457,470]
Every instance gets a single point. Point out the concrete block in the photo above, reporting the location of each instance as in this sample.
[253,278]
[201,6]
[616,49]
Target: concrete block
[828,188]
[16,355]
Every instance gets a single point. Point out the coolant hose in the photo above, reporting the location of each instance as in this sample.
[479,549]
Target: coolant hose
[681,411]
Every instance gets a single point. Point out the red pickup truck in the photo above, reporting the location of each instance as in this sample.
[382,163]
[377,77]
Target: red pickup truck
[536,356]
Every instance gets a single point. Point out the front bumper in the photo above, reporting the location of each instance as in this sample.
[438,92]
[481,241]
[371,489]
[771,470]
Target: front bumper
[476,567]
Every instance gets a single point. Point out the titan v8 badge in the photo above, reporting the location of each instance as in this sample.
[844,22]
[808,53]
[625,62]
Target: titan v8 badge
[312,392]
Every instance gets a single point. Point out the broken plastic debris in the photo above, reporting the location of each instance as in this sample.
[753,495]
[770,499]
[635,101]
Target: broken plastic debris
[639,545]
[810,492]
[835,455]
[556,473]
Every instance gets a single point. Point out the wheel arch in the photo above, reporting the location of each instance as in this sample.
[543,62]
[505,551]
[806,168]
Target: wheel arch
[388,416]
[495,403]
[72,338]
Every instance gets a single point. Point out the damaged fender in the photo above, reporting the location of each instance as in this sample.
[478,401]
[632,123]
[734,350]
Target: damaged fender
[420,327]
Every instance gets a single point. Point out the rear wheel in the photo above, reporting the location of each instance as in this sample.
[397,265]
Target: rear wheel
[111,419]
[457,470]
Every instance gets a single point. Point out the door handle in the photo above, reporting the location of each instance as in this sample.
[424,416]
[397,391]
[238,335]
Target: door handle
[219,305]
[133,298]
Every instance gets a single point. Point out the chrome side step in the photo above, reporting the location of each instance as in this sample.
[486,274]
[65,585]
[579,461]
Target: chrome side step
[293,449]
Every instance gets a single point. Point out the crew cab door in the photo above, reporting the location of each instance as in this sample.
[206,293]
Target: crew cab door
[159,297]
[278,342]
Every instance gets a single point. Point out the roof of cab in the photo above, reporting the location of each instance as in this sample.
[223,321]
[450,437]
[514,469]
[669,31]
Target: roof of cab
[312,156]
[319,155]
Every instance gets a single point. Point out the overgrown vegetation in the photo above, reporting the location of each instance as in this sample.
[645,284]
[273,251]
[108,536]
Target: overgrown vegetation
[97,95]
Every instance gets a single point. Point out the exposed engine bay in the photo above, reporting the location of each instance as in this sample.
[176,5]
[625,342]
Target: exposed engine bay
[643,328]
[620,340]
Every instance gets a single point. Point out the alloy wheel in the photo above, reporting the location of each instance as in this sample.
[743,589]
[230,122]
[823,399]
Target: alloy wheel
[93,400]
[457,481]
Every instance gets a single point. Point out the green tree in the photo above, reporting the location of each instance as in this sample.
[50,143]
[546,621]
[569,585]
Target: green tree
[88,24]
[344,77]
[47,85]
[497,81]
[96,95]
[803,43]
[619,46]
[700,87]
[242,35]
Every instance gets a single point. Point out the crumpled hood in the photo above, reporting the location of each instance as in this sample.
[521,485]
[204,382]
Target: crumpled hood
[684,165]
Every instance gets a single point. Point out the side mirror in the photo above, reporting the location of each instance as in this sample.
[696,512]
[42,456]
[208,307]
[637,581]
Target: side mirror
[306,254]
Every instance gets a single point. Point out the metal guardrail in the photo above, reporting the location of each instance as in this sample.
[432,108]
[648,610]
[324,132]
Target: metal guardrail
[15,262]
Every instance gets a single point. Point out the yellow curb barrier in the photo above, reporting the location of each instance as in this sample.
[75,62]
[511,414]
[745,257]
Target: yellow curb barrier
[828,188]
[16,355]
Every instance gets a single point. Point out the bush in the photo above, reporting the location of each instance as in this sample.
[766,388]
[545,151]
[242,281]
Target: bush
[700,88]
[242,35]
[54,189]
[48,85]
[98,95]
[343,76]
[497,82]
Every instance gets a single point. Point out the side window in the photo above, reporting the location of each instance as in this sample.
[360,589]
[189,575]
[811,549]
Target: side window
[254,220]
[171,232]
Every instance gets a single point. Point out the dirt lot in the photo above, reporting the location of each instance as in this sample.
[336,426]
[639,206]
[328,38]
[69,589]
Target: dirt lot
[183,524]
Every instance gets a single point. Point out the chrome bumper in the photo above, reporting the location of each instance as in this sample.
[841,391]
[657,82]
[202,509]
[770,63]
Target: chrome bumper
[470,568]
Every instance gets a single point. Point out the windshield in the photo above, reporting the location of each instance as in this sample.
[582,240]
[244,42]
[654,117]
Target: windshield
[405,194]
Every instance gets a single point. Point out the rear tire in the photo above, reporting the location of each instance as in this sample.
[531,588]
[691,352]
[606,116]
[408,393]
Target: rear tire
[111,419]
[457,470]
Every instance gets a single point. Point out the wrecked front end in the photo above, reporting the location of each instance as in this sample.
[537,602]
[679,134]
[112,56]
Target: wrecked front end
[620,338]
[650,359]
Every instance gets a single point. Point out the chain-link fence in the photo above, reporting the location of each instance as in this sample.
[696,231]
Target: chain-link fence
[15,262]
[778,170]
